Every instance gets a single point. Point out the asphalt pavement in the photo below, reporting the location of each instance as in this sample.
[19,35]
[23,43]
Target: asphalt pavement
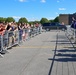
[49,53]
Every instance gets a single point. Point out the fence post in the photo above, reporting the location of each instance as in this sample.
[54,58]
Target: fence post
[75,36]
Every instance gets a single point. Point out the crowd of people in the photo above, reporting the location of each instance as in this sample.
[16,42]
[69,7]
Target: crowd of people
[12,26]
[21,31]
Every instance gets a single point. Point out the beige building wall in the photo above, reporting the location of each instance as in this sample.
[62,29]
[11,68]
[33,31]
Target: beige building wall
[64,18]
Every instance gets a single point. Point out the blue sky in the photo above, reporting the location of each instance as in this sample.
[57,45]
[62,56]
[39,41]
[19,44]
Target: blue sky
[36,9]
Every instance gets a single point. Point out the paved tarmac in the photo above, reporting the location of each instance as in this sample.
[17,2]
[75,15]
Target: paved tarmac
[49,53]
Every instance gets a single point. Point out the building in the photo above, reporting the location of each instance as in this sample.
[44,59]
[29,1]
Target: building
[66,18]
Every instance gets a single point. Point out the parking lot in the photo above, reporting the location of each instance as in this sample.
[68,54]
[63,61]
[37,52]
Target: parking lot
[49,53]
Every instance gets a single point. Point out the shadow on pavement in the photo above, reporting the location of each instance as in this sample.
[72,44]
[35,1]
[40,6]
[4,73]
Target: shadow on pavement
[65,50]
[63,55]
[72,59]
[64,41]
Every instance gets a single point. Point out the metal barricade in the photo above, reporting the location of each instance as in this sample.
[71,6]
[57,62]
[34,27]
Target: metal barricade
[71,33]
[15,39]
[1,43]
[32,32]
[12,38]
[5,40]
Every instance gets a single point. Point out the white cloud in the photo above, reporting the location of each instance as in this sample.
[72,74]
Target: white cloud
[58,1]
[43,1]
[33,19]
[22,0]
[50,18]
[62,8]
[33,0]
[57,13]
[16,17]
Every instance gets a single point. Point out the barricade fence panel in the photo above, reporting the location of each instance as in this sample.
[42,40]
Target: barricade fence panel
[11,38]
[71,33]
[1,43]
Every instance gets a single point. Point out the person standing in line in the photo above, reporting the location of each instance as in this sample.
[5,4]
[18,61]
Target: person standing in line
[73,28]
[73,24]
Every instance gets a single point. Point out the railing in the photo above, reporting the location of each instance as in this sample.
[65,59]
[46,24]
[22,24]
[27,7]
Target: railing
[71,33]
[12,38]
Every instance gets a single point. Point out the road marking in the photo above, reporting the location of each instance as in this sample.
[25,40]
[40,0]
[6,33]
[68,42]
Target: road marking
[39,47]
[36,47]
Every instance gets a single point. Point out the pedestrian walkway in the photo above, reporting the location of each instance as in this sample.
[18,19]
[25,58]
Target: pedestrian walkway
[49,53]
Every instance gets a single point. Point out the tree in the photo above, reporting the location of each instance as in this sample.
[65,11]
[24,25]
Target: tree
[33,22]
[44,20]
[36,21]
[10,19]
[2,19]
[51,21]
[74,13]
[23,20]
[56,19]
